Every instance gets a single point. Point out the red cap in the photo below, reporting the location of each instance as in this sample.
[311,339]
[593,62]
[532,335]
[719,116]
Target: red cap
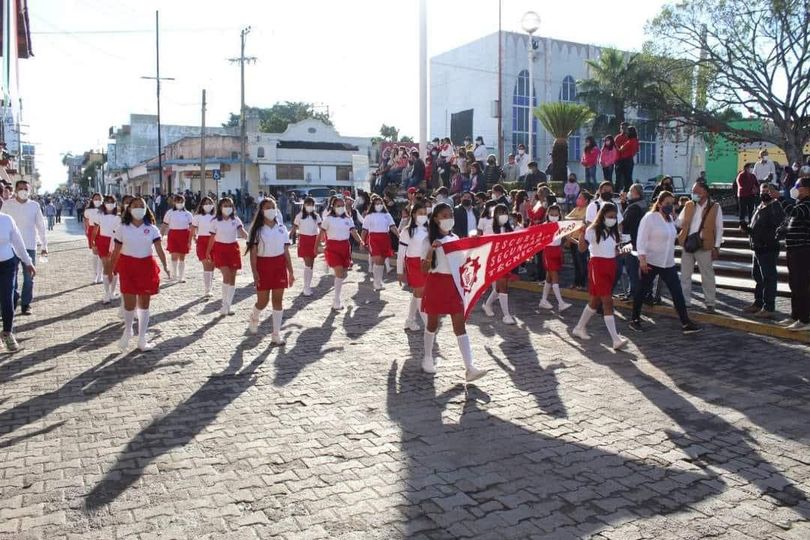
[412,190]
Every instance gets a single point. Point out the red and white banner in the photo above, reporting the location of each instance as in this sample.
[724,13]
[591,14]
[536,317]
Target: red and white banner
[478,261]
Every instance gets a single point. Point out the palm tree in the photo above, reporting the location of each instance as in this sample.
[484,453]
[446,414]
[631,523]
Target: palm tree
[561,119]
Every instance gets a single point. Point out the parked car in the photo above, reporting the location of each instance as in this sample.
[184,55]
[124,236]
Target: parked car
[320,194]
[678,183]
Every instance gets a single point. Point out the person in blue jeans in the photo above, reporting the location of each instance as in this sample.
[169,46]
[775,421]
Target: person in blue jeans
[12,250]
[633,213]
[762,236]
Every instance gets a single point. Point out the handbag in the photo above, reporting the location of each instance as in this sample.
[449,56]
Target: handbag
[693,242]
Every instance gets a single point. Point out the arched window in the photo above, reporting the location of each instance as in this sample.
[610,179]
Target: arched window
[260,152]
[568,92]
[520,114]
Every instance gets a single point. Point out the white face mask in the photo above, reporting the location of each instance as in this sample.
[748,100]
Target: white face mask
[309,208]
[207,208]
[340,210]
[794,193]
[227,210]
[521,152]
[138,213]
[796,168]
[179,206]
[554,219]
[378,207]
[447,224]
[24,194]
[421,220]
[270,213]
[429,209]
[610,222]
[96,203]
[109,206]
[502,219]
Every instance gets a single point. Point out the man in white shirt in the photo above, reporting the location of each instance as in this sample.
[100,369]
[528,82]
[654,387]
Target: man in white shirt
[711,238]
[480,152]
[764,169]
[27,214]
[522,161]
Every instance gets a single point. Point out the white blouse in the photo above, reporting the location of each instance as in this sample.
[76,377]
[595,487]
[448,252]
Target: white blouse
[310,226]
[656,240]
[203,223]
[338,228]
[378,222]
[178,219]
[412,246]
[137,241]
[272,241]
[227,230]
[442,264]
[108,223]
[606,248]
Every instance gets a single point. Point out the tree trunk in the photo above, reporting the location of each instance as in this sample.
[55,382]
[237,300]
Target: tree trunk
[793,146]
[559,160]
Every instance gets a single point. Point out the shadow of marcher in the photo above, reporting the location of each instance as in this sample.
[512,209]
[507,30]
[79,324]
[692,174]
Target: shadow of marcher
[308,349]
[484,472]
[187,420]
[364,315]
[529,376]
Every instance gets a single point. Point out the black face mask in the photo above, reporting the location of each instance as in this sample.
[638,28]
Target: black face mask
[766,197]
[572,180]
[607,197]
[466,203]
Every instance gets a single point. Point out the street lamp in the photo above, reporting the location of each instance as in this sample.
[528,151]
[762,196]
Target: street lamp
[531,23]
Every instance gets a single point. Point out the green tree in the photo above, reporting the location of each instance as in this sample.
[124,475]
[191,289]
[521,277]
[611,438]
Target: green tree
[389,133]
[749,56]
[87,181]
[561,119]
[276,118]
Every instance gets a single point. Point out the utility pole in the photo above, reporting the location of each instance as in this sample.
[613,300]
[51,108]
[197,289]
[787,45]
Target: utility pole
[500,85]
[202,147]
[157,78]
[243,113]
[423,129]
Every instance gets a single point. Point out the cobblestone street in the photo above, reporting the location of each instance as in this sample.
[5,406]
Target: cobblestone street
[338,434]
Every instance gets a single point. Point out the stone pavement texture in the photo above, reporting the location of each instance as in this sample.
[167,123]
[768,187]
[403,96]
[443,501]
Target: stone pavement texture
[338,434]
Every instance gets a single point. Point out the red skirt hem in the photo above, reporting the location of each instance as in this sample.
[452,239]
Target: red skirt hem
[413,272]
[553,258]
[139,276]
[601,276]
[201,247]
[178,241]
[307,246]
[226,255]
[338,253]
[272,273]
[441,296]
[103,245]
[379,245]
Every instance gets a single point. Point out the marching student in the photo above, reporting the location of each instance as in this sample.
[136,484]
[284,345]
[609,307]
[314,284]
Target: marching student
[378,225]
[138,271]
[602,240]
[90,212]
[201,232]
[441,297]
[500,224]
[178,222]
[223,249]
[268,245]
[413,246]
[106,221]
[307,224]
[552,260]
[337,229]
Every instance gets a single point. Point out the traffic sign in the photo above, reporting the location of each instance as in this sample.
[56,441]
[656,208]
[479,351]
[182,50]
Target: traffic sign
[216,174]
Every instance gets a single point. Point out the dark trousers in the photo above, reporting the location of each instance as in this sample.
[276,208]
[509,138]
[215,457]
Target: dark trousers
[746,205]
[632,267]
[798,262]
[624,174]
[607,173]
[580,266]
[540,267]
[8,282]
[25,296]
[764,274]
[670,278]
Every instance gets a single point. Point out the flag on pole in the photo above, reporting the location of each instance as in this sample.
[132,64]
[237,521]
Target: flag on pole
[478,261]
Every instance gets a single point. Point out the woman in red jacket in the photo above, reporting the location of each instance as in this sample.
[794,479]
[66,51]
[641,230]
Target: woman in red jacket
[628,148]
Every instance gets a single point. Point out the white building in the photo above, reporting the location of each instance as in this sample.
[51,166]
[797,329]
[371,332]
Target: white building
[464,92]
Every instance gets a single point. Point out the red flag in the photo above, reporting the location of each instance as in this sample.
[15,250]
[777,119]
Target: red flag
[478,261]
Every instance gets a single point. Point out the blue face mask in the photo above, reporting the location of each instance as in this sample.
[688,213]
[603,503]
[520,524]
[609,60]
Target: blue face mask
[667,209]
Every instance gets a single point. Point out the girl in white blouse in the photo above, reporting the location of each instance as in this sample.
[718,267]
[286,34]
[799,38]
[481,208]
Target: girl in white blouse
[105,222]
[337,229]
[178,223]
[378,225]
[223,249]
[201,233]
[413,246]
[268,246]
[90,212]
[307,224]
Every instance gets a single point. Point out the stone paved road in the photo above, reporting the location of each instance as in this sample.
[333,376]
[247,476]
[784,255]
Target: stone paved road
[338,434]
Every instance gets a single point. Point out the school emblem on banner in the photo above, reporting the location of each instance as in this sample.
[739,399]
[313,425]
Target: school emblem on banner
[478,261]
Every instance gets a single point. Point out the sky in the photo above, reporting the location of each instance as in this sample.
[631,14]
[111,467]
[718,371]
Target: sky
[90,55]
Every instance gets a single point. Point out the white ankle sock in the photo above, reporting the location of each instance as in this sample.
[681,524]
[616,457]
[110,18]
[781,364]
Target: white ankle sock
[546,290]
[181,270]
[610,322]
[557,294]
[208,280]
[587,313]
[503,298]
[278,315]
[430,337]
[466,350]
[338,286]
[377,272]
[143,324]
[307,278]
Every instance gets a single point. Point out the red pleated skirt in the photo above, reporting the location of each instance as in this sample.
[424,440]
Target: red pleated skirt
[227,255]
[553,258]
[379,245]
[139,276]
[441,296]
[202,247]
[601,275]
[89,234]
[272,273]
[178,241]
[307,246]
[413,272]
[103,245]
[338,253]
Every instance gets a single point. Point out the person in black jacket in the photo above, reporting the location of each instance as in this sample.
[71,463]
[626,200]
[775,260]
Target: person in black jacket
[466,216]
[796,232]
[768,216]
[635,210]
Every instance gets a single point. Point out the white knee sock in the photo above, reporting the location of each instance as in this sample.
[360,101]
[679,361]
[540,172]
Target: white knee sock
[430,337]
[231,293]
[338,286]
[387,265]
[307,278]
[181,270]
[226,295]
[503,298]
[556,288]
[94,262]
[587,313]
[546,289]
[377,272]
[99,268]
[278,315]
[610,322]
[466,350]
[129,318]
[208,280]
[412,307]
[256,314]
[174,268]
[143,324]
[492,296]
[113,284]
[422,313]
[106,281]
[370,262]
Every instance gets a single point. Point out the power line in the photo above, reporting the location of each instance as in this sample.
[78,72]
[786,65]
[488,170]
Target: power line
[103,32]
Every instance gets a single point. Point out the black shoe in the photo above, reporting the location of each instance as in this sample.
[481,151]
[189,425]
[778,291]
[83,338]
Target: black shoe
[26,310]
[636,326]
[691,328]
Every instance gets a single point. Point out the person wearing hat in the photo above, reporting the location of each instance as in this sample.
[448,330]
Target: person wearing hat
[767,218]
[796,232]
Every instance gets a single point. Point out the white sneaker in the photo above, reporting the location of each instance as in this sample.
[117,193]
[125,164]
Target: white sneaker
[412,325]
[428,365]
[580,333]
[620,343]
[380,288]
[563,306]
[488,309]
[337,307]
[473,374]
[277,340]
[799,326]
[253,325]
[306,292]
[145,346]
[105,300]
[228,311]
[545,304]
[786,322]
[507,319]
